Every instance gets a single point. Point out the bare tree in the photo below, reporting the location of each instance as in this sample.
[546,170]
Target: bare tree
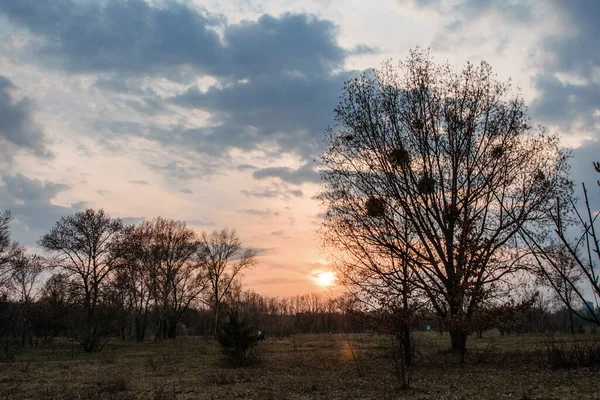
[26,271]
[224,259]
[83,247]
[451,155]
[133,277]
[8,250]
[564,278]
[571,258]
[166,250]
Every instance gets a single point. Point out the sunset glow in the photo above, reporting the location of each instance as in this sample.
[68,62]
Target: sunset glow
[325,279]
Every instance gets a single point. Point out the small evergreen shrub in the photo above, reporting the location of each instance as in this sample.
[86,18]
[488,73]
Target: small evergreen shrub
[237,338]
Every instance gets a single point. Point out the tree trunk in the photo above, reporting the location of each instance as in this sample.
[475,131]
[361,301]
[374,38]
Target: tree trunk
[407,345]
[216,320]
[171,327]
[571,322]
[140,329]
[458,339]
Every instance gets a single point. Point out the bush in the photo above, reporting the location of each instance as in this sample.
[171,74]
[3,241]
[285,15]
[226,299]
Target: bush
[237,338]
[583,353]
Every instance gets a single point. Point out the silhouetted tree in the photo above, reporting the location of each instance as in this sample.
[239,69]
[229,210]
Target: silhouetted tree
[82,245]
[7,250]
[569,260]
[165,250]
[26,271]
[224,260]
[451,155]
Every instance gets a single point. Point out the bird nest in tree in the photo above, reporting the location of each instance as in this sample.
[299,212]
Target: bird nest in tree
[375,207]
[399,156]
[426,185]
[348,138]
[497,151]
[418,124]
[540,178]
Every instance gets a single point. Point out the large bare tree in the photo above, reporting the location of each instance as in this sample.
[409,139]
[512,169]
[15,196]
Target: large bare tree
[165,250]
[83,247]
[224,259]
[441,168]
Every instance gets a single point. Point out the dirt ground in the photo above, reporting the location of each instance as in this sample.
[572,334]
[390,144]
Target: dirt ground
[298,367]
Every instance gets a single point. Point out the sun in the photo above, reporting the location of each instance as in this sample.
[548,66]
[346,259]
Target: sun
[325,279]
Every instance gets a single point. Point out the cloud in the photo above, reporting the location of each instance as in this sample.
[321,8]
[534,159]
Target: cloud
[19,187]
[260,213]
[306,173]
[566,59]
[288,110]
[578,51]
[30,203]
[18,130]
[520,10]
[138,38]
[245,167]
[133,220]
[278,77]
[583,171]
[573,102]
[565,104]
[275,191]
[186,191]
[201,222]
[193,168]
[102,192]
[141,183]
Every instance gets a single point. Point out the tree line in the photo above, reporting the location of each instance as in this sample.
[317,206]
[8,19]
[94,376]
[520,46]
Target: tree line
[104,274]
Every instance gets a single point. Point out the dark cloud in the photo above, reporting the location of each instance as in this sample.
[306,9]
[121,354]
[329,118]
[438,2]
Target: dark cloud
[245,167]
[575,54]
[199,168]
[30,203]
[18,130]
[123,36]
[290,110]
[186,191]
[102,192]
[135,37]
[583,171]
[563,103]
[19,187]
[278,76]
[578,51]
[306,173]
[582,168]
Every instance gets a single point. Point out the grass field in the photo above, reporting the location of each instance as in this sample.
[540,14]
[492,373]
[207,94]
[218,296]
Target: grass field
[298,367]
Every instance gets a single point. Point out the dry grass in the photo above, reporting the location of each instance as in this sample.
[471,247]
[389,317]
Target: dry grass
[302,367]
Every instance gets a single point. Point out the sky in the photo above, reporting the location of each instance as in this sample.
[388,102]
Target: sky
[214,112]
